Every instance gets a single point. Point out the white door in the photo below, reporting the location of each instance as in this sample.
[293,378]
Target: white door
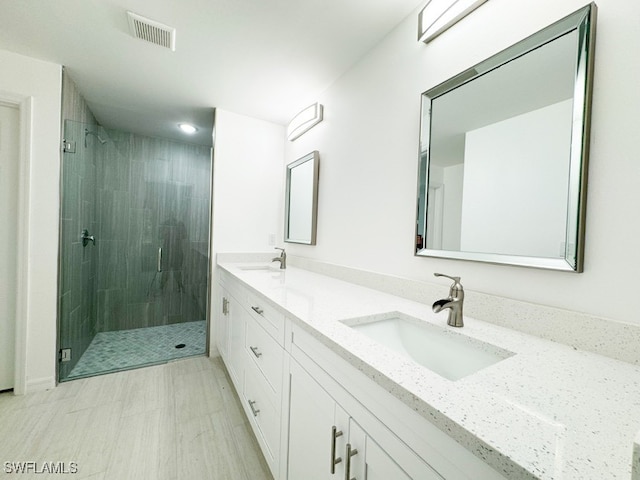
[9,134]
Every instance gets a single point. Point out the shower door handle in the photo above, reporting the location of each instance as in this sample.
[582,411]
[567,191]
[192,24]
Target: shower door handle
[160,259]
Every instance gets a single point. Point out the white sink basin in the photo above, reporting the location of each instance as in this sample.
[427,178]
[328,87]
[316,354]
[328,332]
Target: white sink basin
[260,268]
[443,351]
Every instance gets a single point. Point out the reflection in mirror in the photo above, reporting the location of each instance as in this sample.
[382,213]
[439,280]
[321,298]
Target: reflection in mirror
[301,202]
[503,159]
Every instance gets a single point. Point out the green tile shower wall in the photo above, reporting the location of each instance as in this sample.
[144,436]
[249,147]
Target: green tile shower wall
[141,182]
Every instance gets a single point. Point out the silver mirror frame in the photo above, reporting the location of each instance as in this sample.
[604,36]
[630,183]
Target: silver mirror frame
[584,22]
[310,157]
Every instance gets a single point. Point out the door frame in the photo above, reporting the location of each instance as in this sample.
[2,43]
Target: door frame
[24,104]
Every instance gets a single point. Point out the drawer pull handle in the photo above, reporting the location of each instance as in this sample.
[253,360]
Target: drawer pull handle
[258,310]
[256,352]
[254,410]
[347,470]
[335,433]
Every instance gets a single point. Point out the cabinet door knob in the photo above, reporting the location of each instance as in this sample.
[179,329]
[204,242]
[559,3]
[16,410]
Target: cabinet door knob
[347,468]
[258,310]
[335,433]
[255,351]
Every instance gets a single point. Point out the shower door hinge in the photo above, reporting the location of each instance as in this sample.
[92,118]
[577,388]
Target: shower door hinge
[65,354]
[68,146]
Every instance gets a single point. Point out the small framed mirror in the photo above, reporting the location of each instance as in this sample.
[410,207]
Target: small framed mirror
[504,152]
[301,201]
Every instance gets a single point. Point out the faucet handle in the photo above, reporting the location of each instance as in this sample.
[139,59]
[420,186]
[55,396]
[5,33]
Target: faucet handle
[456,287]
[455,279]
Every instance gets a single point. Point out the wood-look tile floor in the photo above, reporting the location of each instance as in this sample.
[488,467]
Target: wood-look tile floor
[180,420]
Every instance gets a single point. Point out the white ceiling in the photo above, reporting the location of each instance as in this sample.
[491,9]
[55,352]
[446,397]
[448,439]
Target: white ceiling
[263,58]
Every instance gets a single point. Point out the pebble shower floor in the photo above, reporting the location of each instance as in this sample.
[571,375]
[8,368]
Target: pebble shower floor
[124,349]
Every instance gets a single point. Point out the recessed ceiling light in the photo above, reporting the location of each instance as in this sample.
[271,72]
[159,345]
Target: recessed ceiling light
[187,128]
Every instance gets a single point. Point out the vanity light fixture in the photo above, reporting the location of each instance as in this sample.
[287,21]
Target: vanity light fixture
[304,121]
[187,128]
[439,15]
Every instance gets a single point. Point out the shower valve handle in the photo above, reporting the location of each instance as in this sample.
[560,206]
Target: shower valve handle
[86,238]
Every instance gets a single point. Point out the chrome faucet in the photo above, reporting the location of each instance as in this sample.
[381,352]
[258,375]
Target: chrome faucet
[282,258]
[453,302]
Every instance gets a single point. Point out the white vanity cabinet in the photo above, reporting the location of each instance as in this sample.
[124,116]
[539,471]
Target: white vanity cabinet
[392,440]
[252,349]
[331,435]
[310,408]
[325,441]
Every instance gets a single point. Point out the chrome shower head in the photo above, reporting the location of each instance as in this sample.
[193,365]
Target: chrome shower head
[88,132]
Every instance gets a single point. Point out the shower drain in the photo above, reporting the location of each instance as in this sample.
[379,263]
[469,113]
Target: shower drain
[180,345]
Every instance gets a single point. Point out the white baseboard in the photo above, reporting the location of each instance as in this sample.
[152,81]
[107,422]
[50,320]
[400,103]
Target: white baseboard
[40,384]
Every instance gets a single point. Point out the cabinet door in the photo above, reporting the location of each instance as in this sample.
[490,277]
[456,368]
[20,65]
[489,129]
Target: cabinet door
[369,461]
[380,466]
[317,430]
[237,324]
[222,315]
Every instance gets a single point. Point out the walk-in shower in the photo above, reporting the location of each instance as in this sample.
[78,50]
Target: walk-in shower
[134,250]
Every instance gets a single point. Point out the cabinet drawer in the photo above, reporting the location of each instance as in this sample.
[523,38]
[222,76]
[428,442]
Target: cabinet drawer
[267,316]
[264,415]
[266,354]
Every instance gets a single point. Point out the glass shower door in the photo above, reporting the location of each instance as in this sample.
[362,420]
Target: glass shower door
[77,262]
[150,287]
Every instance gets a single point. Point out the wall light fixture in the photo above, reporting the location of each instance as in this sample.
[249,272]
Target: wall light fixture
[305,120]
[439,15]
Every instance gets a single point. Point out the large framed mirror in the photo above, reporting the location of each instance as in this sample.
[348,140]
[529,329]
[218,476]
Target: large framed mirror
[301,200]
[504,152]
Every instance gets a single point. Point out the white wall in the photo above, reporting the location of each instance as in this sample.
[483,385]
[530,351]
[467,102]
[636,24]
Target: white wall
[368,145]
[42,81]
[453,198]
[248,191]
[248,175]
[516,175]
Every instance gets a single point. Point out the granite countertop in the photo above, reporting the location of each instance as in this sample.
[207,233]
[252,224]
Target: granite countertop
[549,411]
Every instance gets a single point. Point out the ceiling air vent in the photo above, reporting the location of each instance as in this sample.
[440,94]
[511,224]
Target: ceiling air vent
[152,31]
